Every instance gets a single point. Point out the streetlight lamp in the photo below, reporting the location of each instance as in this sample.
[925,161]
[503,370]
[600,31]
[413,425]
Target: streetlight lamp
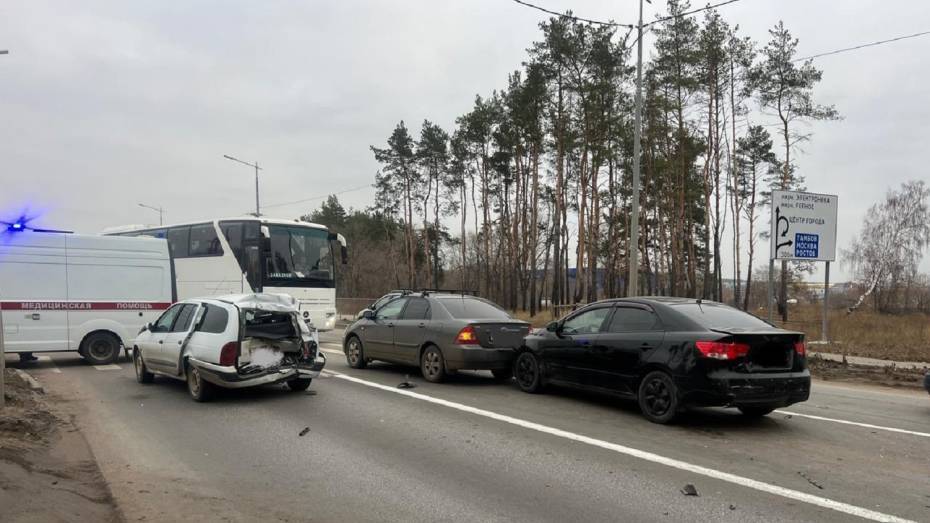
[257,168]
[159,210]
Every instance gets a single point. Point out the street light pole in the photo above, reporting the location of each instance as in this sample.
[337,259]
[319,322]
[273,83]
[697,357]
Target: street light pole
[159,209]
[257,168]
[2,346]
[633,286]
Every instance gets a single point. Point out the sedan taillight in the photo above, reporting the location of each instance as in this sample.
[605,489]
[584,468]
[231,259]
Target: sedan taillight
[800,348]
[467,336]
[719,350]
[229,353]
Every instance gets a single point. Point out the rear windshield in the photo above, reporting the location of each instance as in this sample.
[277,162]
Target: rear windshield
[472,309]
[714,316]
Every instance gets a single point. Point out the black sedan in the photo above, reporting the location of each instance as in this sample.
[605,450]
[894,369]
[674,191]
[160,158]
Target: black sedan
[440,332]
[668,354]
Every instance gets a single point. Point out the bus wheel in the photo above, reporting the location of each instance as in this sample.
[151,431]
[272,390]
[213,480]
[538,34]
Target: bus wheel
[100,348]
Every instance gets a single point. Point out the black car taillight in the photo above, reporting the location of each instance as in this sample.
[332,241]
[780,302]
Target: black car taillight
[800,348]
[722,350]
[228,353]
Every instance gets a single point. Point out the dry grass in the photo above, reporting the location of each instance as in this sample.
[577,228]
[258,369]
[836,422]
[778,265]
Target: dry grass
[904,337]
[539,320]
[899,337]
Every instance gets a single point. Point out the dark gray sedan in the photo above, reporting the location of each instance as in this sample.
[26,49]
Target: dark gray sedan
[440,332]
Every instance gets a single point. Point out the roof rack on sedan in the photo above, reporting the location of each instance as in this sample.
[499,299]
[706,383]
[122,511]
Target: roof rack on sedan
[450,291]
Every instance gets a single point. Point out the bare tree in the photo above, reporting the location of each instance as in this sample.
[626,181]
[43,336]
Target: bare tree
[893,239]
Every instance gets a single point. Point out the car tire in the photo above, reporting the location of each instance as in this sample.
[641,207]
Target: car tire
[432,364]
[526,370]
[142,372]
[756,411]
[502,374]
[658,397]
[299,384]
[100,348]
[355,353]
[200,389]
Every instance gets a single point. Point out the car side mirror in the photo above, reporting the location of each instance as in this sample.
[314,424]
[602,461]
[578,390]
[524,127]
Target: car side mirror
[368,314]
[552,326]
[149,326]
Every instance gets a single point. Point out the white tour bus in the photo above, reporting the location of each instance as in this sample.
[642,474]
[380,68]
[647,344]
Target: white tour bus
[74,292]
[253,255]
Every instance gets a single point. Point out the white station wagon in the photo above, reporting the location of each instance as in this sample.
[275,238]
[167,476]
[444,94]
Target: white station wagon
[233,341]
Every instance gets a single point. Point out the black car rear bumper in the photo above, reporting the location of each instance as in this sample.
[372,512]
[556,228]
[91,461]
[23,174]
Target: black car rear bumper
[726,388]
[469,357]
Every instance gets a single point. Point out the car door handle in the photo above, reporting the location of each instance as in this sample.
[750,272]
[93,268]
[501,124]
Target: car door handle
[422,325]
[161,342]
[645,346]
[180,342]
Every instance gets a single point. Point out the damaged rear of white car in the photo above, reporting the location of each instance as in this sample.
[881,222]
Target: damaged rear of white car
[233,341]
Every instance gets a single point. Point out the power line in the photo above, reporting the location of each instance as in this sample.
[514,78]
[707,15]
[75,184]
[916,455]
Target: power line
[572,17]
[310,199]
[880,42]
[304,200]
[691,12]
[630,26]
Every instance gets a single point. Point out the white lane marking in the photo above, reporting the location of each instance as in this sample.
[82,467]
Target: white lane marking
[642,454]
[792,413]
[51,364]
[111,366]
[856,423]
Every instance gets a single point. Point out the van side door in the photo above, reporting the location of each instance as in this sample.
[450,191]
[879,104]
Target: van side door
[34,292]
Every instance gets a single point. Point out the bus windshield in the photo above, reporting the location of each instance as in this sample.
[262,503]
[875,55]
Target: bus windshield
[299,256]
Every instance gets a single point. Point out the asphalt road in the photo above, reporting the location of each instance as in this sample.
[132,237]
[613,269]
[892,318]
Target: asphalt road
[477,450]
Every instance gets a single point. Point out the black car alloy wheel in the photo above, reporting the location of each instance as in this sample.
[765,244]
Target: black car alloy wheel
[658,397]
[526,371]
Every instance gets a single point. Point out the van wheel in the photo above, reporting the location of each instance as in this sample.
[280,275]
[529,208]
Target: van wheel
[355,353]
[142,373]
[299,384]
[658,397]
[100,348]
[199,389]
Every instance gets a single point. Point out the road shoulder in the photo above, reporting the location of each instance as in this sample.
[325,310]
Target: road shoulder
[47,469]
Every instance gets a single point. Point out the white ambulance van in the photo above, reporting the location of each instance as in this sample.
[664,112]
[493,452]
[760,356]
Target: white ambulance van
[84,293]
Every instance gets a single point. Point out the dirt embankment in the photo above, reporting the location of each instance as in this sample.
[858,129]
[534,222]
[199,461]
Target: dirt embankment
[47,471]
[891,376]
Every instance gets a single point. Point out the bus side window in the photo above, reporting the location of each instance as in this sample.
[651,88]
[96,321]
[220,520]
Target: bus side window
[178,240]
[204,241]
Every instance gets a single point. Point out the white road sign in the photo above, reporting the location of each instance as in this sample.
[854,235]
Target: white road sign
[803,226]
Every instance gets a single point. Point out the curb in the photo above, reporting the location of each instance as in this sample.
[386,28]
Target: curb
[32,382]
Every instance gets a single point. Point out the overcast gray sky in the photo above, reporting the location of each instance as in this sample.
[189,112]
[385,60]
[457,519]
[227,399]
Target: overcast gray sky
[105,104]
